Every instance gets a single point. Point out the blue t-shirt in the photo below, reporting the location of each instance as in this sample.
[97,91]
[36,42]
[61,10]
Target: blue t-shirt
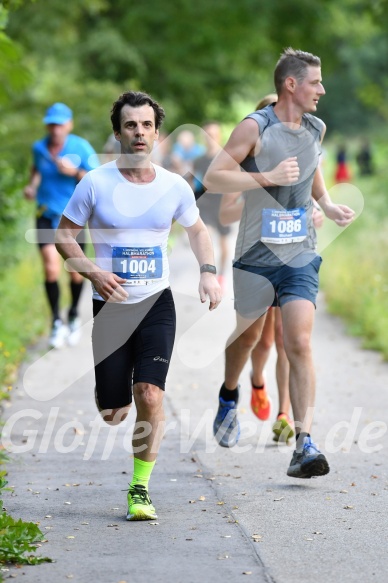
[194,152]
[55,189]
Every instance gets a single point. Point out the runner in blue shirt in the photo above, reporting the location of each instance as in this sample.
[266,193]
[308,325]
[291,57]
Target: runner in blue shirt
[60,160]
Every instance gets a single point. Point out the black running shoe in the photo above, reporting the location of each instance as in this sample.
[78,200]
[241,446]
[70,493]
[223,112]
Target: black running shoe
[308,461]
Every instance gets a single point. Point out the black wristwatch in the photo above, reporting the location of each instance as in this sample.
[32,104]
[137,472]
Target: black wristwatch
[208,268]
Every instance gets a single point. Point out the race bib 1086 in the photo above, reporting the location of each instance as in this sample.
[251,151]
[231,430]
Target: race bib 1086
[283,226]
[138,265]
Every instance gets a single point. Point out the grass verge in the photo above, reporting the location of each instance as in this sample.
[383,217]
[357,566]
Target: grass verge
[23,318]
[354,274]
[18,539]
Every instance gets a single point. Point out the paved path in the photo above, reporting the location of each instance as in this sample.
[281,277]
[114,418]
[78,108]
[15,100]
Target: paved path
[224,515]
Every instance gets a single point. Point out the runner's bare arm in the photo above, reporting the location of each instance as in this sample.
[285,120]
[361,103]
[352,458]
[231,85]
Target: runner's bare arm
[67,168]
[225,175]
[31,188]
[341,214]
[201,245]
[105,282]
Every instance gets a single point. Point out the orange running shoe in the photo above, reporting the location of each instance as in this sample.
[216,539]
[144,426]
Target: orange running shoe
[261,403]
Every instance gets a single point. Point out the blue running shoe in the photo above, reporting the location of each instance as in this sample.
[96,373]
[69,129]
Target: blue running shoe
[307,461]
[226,427]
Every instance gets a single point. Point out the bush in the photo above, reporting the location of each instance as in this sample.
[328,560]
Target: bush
[354,273]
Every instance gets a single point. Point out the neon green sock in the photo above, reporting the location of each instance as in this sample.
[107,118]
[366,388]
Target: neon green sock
[141,472]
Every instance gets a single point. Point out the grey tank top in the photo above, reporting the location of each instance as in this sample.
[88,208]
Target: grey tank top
[278,142]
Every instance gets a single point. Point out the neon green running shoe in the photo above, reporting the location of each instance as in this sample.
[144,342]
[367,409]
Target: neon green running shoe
[140,504]
[283,428]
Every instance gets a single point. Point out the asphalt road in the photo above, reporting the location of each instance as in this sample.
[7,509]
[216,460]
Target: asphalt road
[223,515]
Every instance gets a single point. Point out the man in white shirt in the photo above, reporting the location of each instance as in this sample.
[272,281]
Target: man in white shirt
[129,205]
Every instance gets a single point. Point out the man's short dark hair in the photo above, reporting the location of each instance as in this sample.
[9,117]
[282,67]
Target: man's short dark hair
[293,63]
[135,99]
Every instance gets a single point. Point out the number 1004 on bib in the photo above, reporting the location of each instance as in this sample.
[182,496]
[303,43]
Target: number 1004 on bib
[137,263]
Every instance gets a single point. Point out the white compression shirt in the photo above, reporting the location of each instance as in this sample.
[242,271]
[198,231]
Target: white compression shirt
[129,224]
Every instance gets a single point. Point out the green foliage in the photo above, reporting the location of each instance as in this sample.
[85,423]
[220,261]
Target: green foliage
[20,283]
[14,76]
[18,540]
[12,215]
[192,56]
[354,273]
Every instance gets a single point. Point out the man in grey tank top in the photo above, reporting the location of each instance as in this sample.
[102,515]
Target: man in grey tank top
[272,156]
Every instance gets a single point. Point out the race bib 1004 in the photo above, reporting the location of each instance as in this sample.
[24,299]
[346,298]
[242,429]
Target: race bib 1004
[283,226]
[138,265]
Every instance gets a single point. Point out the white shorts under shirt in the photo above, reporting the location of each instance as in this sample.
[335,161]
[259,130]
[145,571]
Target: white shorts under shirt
[129,223]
